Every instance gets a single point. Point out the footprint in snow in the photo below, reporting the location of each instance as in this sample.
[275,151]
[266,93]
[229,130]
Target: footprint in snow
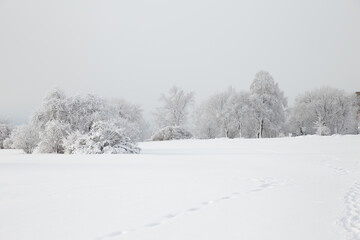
[170,216]
[193,209]
[153,224]
[114,234]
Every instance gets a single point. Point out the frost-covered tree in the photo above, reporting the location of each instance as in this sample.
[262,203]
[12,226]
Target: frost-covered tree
[83,111]
[5,131]
[80,112]
[222,110]
[7,143]
[174,111]
[302,117]
[133,120]
[268,105]
[320,127]
[53,110]
[51,138]
[239,107]
[24,137]
[60,116]
[205,125]
[324,111]
[53,107]
[104,137]
[223,115]
[260,113]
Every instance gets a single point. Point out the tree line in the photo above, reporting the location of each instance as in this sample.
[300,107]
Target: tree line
[90,124]
[261,112]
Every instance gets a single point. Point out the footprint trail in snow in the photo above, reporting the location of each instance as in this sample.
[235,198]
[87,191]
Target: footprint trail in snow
[351,221]
[264,184]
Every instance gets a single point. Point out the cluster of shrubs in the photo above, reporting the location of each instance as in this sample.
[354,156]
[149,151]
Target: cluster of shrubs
[171,133]
[88,125]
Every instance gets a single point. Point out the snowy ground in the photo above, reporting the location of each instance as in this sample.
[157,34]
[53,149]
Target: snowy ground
[281,189]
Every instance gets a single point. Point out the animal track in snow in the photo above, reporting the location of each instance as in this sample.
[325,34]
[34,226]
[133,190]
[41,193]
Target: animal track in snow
[351,221]
[264,184]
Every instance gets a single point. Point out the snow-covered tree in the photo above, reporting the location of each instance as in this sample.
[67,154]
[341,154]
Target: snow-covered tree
[174,111]
[222,111]
[53,107]
[223,115]
[302,117]
[83,111]
[320,127]
[260,113]
[214,117]
[133,120]
[239,108]
[5,131]
[74,142]
[171,133]
[60,116]
[205,125]
[51,138]
[104,137]
[268,105]
[24,137]
[8,143]
[324,111]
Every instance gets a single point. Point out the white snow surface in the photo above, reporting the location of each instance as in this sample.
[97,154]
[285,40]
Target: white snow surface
[253,189]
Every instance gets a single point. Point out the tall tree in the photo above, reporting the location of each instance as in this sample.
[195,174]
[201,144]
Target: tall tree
[174,111]
[268,105]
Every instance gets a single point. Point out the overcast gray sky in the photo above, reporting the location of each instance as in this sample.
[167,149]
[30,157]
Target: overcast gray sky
[140,48]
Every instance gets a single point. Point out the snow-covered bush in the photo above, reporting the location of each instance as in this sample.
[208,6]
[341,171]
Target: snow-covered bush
[5,131]
[24,137]
[104,137]
[171,133]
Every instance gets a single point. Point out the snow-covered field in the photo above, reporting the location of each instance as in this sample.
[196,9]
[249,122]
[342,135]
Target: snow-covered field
[281,189]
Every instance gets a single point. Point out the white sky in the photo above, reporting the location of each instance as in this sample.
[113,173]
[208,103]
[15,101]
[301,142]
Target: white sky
[140,48]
